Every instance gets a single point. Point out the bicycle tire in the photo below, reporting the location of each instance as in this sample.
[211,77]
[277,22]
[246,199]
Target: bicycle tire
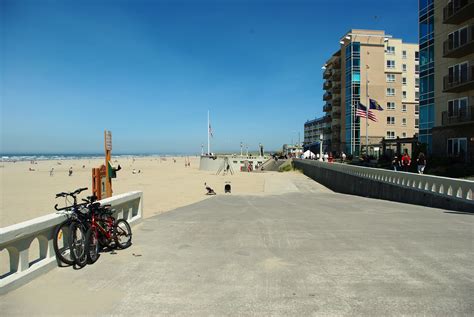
[78,243]
[61,243]
[92,247]
[122,230]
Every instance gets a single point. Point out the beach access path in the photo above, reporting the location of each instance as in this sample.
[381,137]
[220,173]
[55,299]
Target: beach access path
[306,251]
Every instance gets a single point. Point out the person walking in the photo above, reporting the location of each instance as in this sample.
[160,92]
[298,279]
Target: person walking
[395,163]
[421,161]
[406,161]
[51,172]
[343,157]
[70,171]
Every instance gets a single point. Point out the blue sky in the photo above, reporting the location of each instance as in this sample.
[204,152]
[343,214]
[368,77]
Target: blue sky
[149,70]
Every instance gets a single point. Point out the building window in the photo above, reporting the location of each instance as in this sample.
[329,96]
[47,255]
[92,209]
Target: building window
[458,73]
[390,91]
[417,56]
[417,82]
[390,135]
[457,147]
[457,107]
[390,105]
[417,109]
[390,50]
[417,95]
[391,120]
[404,107]
[458,38]
[404,121]
[404,95]
[404,67]
[390,64]
[404,54]
[417,123]
[404,80]
[417,69]
[404,134]
[390,78]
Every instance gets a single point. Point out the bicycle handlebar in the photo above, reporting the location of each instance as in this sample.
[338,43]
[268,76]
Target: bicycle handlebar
[74,193]
[69,207]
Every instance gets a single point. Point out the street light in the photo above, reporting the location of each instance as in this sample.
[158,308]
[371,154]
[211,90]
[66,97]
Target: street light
[321,147]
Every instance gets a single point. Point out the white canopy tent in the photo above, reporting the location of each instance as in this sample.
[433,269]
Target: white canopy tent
[309,154]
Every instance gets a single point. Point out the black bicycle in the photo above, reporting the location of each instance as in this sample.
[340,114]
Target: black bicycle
[62,234]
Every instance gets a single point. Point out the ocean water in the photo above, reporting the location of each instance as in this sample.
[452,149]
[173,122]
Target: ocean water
[15,157]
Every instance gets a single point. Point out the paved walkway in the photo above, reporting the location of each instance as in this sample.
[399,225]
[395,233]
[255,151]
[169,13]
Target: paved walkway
[308,252]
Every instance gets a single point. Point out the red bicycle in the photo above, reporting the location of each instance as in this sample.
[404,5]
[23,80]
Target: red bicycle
[105,231]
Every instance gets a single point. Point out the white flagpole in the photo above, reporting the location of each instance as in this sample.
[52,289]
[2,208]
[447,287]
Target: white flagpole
[208,135]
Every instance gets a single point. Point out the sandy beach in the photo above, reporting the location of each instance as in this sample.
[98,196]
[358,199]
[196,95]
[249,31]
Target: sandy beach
[166,184]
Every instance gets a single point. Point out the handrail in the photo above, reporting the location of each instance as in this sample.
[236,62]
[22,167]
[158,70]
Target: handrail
[458,189]
[17,240]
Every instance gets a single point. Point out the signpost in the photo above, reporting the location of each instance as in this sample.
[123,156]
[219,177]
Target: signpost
[108,151]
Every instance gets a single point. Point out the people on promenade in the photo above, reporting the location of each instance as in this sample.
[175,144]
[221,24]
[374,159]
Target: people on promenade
[325,157]
[343,155]
[396,163]
[421,161]
[406,161]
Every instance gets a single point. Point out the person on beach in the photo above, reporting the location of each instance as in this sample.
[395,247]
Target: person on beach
[70,171]
[421,161]
[395,163]
[406,161]
[51,172]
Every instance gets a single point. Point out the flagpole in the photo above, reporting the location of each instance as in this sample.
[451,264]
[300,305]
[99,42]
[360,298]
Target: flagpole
[367,105]
[208,135]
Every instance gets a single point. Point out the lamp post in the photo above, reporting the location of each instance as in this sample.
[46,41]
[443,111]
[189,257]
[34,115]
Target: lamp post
[247,149]
[321,147]
[202,149]
[241,146]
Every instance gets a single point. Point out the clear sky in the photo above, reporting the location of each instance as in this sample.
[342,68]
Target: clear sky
[149,70]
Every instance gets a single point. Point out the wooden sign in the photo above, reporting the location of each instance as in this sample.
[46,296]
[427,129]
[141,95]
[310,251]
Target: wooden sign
[108,140]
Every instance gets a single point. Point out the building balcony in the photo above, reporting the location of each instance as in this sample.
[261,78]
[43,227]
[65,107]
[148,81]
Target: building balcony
[336,102]
[327,118]
[336,75]
[458,11]
[337,63]
[327,108]
[327,85]
[327,73]
[462,82]
[336,89]
[336,127]
[327,96]
[336,115]
[327,131]
[462,116]
[461,47]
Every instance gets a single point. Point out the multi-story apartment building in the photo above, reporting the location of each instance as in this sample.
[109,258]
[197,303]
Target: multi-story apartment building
[371,65]
[314,129]
[452,25]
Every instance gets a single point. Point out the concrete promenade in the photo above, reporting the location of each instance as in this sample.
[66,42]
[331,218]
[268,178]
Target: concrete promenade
[305,252]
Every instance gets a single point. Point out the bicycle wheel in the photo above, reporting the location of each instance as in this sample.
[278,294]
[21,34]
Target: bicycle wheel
[122,234]
[92,245]
[61,243]
[78,243]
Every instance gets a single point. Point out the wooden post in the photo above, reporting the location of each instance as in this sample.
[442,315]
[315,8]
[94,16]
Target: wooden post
[108,150]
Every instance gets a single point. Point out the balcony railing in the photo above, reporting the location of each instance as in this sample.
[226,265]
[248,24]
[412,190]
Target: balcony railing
[462,116]
[336,102]
[462,47]
[327,131]
[336,115]
[327,108]
[327,85]
[327,96]
[327,119]
[460,83]
[336,127]
[336,89]
[327,73]
[337,63]
[458,11]
[336,75]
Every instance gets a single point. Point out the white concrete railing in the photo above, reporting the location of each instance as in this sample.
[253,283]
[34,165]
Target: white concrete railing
[443,186]
[17,240]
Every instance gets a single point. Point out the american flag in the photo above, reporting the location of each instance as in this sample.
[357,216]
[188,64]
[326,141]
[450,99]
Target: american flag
[210,131]
[361,111]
